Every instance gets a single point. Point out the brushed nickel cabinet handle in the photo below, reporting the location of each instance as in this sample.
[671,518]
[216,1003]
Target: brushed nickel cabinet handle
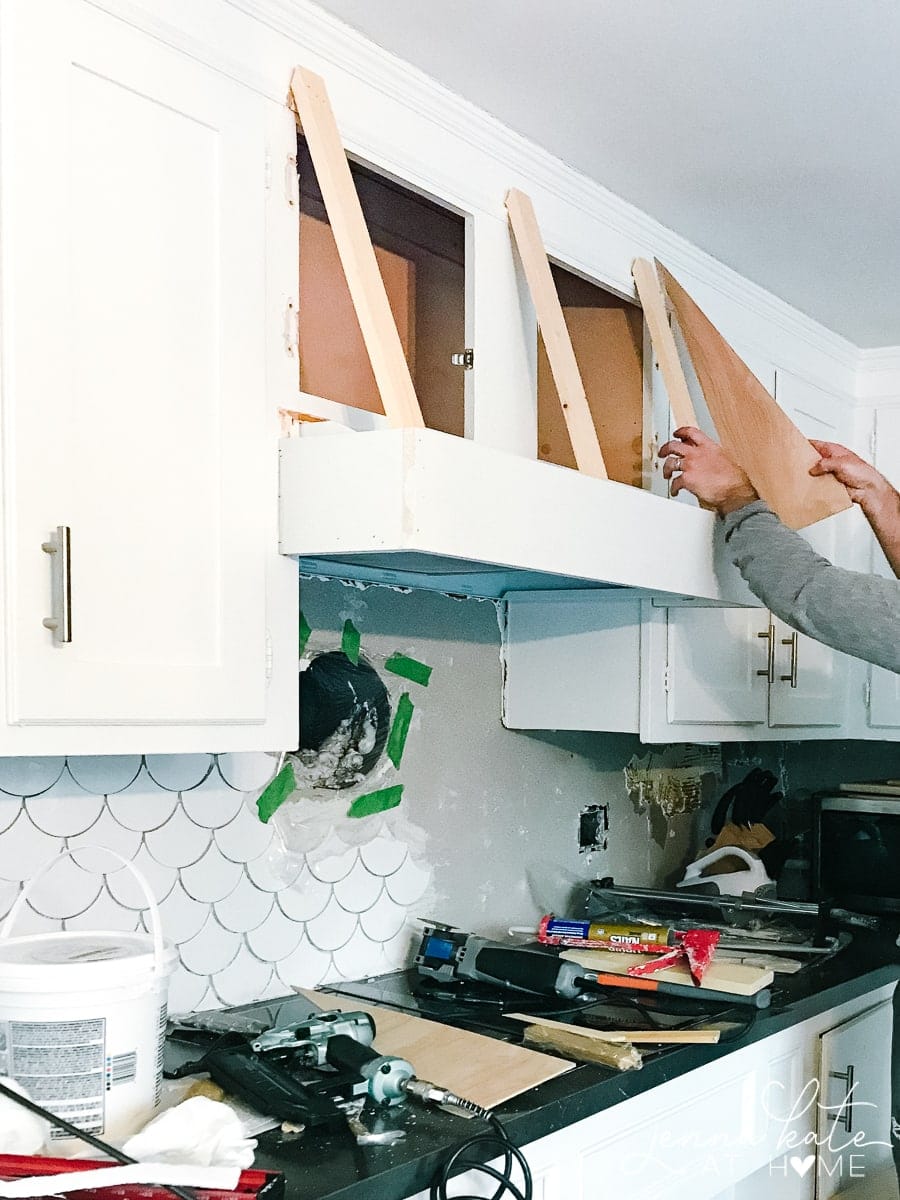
[793,642]
[844,1114]
[769,669]
[60,550]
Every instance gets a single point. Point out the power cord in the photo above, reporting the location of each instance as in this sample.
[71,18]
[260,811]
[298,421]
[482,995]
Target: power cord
[469,1155]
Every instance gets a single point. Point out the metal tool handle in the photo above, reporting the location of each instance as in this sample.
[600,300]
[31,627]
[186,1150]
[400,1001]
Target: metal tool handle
[60,550]
[793,642]
[769,669]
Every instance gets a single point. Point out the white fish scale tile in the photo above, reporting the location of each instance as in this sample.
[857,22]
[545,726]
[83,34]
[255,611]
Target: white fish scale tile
[275,988]
[29,776]
[64,810]
[65,890]
[246,908]
[125,889]
[383,855]
[333,927]
[179,772]
[24,848]
[187,992]
[106,914]
[100,776]
[383,920]
[179,842]
[400,950]
[210,950]
[359,889]
[358,957]
[274,869]
[29,921]
[243,979]
[336,864]
[408,883]
[10,807]
[245,836]
[247,772]
[305,898]
[144,805]
[213,803]
[306,967]
[212,877]
[181,915]
[8,893]
[106,834]
[276,938]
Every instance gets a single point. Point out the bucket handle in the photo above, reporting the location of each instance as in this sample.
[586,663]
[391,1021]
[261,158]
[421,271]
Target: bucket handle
[139,878]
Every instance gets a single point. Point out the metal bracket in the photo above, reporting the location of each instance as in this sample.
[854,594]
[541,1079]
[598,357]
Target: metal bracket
[464,359]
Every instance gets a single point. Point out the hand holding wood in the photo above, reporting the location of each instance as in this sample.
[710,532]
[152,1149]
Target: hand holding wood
[699,465]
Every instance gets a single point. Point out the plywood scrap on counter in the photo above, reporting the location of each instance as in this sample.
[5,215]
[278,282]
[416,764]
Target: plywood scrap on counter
[558,344]
[653,303]
[476,1067]
[752,428]
[738,978]
[367,290]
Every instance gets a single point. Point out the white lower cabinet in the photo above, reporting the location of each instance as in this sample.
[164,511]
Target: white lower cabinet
[745,1127]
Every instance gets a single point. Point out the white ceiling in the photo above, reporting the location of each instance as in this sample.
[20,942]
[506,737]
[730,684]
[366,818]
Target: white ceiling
[765,131]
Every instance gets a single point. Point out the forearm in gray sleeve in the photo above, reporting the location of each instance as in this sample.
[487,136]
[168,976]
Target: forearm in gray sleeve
[851,611]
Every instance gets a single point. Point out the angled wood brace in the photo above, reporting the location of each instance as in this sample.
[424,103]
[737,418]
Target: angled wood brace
[753,430]
[367,291]
[558,344]
[653,303]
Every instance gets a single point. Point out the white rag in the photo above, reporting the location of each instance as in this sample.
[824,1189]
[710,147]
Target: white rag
[21,1131]
[200,1131]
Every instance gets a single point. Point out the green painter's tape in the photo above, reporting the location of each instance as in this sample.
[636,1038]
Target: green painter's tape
[350,641]
[376,802]
[304,632]
[275,794]
[409,668]
[399,729]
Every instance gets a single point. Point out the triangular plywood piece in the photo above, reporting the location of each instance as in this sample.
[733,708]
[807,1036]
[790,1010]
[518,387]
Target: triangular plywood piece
[753,430]
[345,215]
[557,342]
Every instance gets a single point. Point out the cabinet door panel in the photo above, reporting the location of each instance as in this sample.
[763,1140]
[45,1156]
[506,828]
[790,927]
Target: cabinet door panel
[821,674]
[884,686]
[134,373]
[714,660]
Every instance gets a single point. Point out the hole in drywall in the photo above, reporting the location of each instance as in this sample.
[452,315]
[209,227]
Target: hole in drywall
[345,716]
[593,827]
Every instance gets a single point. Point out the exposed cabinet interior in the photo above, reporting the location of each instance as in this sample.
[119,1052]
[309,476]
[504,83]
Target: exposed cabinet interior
[420,248]
[607,337]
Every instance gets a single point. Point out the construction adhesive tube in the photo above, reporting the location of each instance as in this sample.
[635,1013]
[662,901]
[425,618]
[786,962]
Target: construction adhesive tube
[636,939]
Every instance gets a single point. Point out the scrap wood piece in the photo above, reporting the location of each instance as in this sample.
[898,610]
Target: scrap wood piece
[367,290]
[752,428]
[701,1037]
[569,1040]
[558,344]
[662,339]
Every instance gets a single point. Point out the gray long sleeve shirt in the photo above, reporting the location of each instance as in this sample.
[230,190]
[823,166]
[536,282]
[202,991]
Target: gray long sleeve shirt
[849,610]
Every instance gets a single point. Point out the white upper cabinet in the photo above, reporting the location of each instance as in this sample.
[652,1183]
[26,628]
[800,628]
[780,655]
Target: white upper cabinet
[134,401]
[884,686]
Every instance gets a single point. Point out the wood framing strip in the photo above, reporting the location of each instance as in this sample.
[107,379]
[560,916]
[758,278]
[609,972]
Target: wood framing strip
[557,342]
[367,290]
[653,303]
[752,428]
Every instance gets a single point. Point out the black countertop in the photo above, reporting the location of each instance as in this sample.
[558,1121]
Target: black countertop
[333,1167]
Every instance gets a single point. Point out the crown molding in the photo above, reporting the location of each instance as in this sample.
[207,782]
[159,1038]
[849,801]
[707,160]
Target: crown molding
[878,375]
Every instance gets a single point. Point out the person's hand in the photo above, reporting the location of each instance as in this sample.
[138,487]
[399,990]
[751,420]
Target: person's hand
[867,487]
[697,464]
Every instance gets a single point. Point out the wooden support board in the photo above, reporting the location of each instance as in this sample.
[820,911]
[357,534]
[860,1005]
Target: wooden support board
[737,978]
[753,430]
[478,1068]
[654,305]
[643,1037]
[385,350]
[557,342]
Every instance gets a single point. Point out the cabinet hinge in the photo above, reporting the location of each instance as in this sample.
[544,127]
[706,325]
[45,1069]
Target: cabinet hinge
[873,442]
[666,680]
[268,656]
[463,358]
[291,182]
[867,695]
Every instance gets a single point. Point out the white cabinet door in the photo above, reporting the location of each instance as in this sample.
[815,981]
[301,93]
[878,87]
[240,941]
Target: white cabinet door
[716,666]
[571,661]
[809,684]
[884,686]
[134,375]
[854,1106]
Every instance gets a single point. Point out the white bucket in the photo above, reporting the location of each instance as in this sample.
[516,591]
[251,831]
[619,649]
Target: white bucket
[83,1021]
